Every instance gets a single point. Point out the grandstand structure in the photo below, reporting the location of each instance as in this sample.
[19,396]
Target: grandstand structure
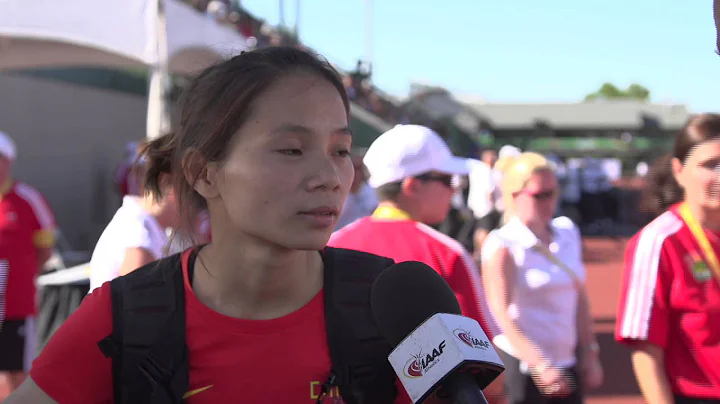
[628,129]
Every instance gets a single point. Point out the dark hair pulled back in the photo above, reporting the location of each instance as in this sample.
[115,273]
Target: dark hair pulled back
[214,106]
[661,189]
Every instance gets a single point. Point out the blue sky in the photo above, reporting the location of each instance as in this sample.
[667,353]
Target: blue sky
[520,50]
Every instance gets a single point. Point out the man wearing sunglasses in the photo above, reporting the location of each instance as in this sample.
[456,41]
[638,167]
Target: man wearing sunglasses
[411,169]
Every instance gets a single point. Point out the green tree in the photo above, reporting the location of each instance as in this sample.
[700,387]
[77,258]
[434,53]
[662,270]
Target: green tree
[609,91]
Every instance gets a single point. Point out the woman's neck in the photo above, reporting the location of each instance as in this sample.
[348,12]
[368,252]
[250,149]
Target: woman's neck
[541,230]
[247,278]
[708,218]
[403,206]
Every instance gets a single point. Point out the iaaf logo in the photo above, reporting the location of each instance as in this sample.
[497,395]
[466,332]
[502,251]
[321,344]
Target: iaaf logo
[419,364]
[471,341]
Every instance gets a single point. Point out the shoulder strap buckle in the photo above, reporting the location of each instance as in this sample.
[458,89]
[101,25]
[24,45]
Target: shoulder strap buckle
[327,387]
[109,347]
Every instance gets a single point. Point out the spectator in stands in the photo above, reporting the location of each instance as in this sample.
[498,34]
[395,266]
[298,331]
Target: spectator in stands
[483,196]
[561,175]
[27,236]
[361,201]
[276,39]
[595,183]
[136,235]
[351,91]
[459,223]
[412,170]
[669,308]
[361,74]
[535,281]
[491,177]
[571,191]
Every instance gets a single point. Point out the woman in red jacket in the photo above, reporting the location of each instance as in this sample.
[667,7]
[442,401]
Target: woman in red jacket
[669,312]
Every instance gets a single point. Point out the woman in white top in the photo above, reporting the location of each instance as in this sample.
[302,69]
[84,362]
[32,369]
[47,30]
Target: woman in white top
[135,236]
[534,279]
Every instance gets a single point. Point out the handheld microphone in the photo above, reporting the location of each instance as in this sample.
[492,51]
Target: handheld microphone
[439,355]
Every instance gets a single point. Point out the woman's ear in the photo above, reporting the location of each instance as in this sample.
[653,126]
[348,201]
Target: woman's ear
[677,171]
[201,174]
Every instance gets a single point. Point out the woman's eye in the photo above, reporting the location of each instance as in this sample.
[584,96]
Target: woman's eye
[291,152]
[344,153]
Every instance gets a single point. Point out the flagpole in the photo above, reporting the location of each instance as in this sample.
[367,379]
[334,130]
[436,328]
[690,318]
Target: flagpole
[297,20]
[369,31]
[281,7]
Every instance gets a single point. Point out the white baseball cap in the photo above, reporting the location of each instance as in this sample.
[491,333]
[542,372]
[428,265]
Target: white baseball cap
[407,151]
[509,151]
[7,146]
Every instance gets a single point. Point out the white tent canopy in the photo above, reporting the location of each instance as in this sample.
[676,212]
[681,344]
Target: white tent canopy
[162,35]
[110,33]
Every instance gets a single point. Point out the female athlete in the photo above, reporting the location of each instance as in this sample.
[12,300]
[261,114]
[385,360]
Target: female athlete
[263,143]
[669,312]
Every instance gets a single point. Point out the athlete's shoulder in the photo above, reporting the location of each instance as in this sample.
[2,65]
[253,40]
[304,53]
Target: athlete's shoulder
[76,343]
[662,228]
[346,253]
[158,270]
[563,223]
[348,231]
[443,240]
[31,198]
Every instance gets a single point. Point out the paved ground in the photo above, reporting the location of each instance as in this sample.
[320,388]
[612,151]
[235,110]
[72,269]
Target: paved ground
[603,258]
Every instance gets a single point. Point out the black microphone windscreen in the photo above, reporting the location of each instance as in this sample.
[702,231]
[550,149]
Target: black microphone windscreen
[405,295]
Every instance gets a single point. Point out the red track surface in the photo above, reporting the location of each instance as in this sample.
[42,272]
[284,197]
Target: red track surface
[603,259]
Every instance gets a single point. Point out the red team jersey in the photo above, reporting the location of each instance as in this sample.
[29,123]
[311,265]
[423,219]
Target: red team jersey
[670,298]
[403,239]
[285,360]
[26,225]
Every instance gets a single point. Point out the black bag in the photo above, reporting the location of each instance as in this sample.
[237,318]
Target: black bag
[150,359]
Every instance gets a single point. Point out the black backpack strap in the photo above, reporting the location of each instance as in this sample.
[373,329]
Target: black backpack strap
[147,345]
[360,367]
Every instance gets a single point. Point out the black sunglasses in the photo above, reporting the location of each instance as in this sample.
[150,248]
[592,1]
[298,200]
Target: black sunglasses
[542,196]
[444,179]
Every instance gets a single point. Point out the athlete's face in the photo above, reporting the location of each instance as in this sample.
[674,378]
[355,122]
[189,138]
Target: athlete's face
[288,171]
[700,175]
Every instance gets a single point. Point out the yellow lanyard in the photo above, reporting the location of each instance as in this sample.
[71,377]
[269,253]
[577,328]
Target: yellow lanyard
[391,213]
[699,234]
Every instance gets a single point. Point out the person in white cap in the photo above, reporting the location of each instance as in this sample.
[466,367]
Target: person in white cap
[27,236]
[412,169]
